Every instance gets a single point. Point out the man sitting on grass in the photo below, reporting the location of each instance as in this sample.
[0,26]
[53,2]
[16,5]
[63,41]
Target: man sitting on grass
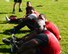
[29,10]
[41,39]
[49,25]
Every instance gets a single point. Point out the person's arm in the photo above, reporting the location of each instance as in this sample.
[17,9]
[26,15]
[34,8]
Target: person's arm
[29,36]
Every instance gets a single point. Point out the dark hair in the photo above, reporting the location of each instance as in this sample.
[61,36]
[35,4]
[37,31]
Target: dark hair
[28,2]
[42,15]
[31,8]
[28,9]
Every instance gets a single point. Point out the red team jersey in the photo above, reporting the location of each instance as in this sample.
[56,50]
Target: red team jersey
[53,28]
[53,46]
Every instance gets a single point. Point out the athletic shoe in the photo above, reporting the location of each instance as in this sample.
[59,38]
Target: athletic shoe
[13,11]
[20,10]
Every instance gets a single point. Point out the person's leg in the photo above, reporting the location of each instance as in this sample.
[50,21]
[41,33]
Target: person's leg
[30,24]
[40,39]
[14,19]
[30,51]
[24,22]
[20,3]
[17,21]
[17,28]
[14,7]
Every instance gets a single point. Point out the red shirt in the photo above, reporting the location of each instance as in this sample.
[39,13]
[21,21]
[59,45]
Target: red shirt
[53,45]
[53,28]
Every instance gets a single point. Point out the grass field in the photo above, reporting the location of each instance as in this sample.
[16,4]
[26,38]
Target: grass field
[56,11]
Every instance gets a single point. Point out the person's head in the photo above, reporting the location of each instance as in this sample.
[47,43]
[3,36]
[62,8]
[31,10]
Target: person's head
[30,10]
[43,17]
[28,4]
[39,23]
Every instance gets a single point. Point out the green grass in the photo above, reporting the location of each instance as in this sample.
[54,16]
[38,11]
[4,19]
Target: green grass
[56,11]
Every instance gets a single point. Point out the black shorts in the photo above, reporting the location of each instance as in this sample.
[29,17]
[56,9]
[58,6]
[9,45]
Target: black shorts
[18,1]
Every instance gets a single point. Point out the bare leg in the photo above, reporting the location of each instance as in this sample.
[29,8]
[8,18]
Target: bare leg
[20,7]
[14,7]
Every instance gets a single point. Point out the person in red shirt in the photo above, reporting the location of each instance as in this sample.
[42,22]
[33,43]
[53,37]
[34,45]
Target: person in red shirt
[41,39]
[45,41]
[51,27]
[53,46]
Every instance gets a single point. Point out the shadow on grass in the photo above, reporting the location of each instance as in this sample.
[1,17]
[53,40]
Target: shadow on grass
[2,44]
[39,6]
[5,50]
[3,22]
[5,12]
[7,32]
[13,22]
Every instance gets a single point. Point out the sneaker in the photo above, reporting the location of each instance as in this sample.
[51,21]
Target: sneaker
[7,19]
[20,10]
[7,42]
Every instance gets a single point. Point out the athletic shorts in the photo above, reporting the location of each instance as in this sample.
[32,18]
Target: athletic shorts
[42,39]
[19,1]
